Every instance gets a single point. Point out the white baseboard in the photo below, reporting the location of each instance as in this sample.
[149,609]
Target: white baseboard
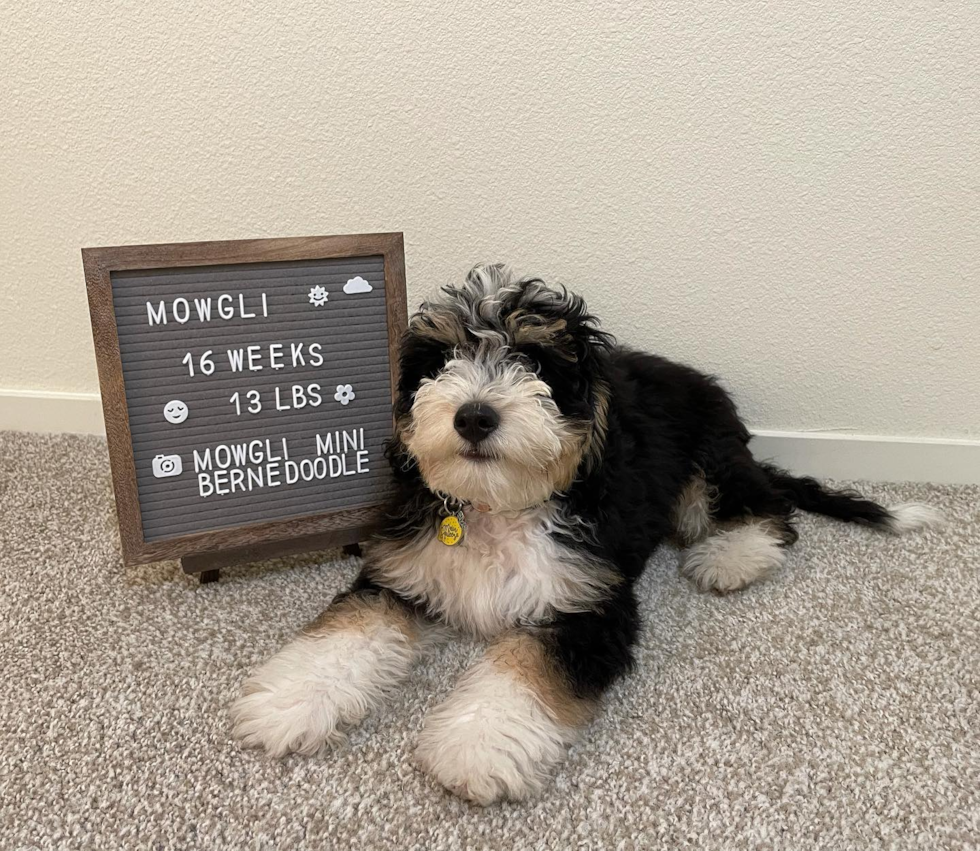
[31,410]
[877,459]
[834,456]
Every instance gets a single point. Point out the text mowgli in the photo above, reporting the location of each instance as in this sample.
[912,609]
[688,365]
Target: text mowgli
[243,467]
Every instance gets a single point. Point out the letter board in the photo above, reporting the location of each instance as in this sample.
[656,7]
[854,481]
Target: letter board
[247,387]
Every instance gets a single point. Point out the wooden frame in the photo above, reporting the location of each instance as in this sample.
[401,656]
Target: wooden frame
[214,548]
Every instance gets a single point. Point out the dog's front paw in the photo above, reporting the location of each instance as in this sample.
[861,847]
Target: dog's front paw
[491,739]
[307,695]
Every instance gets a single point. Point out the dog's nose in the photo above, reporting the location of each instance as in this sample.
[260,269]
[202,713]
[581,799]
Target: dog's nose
[476,421]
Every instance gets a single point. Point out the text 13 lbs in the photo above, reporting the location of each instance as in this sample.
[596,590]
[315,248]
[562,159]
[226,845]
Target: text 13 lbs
[295,398]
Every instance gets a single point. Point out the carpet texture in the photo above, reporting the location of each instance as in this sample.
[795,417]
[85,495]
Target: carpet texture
[835,706]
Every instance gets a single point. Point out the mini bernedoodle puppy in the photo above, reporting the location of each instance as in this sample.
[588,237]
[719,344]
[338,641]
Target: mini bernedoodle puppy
[537,467]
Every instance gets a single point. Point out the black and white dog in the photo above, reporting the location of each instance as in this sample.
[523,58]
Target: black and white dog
[537,468]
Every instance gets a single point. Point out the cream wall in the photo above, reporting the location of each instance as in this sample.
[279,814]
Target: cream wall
[787,193]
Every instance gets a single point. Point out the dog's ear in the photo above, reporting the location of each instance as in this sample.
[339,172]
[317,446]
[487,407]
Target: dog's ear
[588,341]
[420,357]
[592,347]
[555,318]
[434,332]
[556,331]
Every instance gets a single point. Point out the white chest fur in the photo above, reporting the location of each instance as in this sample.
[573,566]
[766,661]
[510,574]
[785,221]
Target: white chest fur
[508,569]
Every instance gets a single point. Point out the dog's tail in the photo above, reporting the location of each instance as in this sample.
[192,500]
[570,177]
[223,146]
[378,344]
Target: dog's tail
[808,494]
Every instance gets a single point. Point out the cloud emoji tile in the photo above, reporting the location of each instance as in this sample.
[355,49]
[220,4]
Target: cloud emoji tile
[357,285]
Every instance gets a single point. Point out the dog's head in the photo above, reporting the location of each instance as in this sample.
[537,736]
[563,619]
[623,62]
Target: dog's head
[502,398]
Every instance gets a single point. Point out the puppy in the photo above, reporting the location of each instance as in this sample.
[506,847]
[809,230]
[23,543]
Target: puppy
[537,466]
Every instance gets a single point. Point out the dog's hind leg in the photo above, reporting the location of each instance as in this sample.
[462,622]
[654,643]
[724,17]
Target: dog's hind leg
[738,552]
[332,675]
[693,516]
[735,527]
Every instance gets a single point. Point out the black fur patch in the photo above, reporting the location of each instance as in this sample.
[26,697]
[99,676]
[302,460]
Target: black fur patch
[661,422]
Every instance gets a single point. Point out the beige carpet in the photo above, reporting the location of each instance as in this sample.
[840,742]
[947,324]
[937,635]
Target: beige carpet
[836,706]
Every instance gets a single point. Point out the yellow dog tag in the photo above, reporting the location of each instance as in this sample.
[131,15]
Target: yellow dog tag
[451,529]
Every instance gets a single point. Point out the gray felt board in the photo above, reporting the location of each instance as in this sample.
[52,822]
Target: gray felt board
[241,473]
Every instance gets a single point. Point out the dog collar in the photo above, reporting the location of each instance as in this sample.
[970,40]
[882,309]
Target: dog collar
[452,527]
[451,505]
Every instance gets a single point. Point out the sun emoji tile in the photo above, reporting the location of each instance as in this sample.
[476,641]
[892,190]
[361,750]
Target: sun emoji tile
[318,296]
